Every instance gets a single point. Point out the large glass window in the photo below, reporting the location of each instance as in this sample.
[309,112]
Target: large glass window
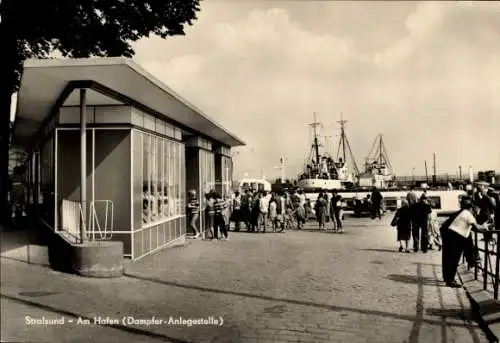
[171,178]
[166,173]
[227,173]
[207,171]
[146,194]
[163,181]
[46,181]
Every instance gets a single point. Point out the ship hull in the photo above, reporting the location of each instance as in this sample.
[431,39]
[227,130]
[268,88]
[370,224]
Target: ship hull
[443,201]
[320,184]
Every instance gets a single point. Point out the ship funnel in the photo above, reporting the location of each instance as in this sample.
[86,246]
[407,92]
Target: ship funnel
[471,175]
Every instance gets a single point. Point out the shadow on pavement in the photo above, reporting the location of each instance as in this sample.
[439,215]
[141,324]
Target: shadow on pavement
[129,329]
[23,261]
[419,315]
[291,301]
[412,279]
[460,313]
[463,313]
[421,281]
[380,250]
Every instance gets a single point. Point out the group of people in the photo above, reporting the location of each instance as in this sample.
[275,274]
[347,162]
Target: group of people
[328,209]
[260,211]
[372,203]
[217,213]
[416,220]
[479,210]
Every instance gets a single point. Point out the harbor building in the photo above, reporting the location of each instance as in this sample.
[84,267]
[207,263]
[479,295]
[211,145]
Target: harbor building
[134,146]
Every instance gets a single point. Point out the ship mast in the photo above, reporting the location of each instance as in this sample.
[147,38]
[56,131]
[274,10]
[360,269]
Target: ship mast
[345,146]
[342,123]
[380,149]
[378,154]
[315,125]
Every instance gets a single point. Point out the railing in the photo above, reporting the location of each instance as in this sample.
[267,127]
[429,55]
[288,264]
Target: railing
[73,214]
[487,264]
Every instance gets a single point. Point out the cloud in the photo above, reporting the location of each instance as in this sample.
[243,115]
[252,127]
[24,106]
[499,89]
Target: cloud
[248,62]
[261,73]
[421,24]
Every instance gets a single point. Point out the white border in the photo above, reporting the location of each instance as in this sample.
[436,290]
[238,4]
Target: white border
[132,134]
[93,173]
[56,161]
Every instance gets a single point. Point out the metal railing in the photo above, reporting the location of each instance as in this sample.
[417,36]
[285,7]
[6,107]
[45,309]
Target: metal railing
[74,215]
[487,255]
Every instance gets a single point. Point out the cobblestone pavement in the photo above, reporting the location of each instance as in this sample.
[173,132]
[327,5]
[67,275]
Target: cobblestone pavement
[298,286]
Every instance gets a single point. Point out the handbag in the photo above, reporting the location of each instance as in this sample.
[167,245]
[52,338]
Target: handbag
[395,220]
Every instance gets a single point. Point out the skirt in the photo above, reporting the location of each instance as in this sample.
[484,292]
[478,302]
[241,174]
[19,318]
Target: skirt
[404,233]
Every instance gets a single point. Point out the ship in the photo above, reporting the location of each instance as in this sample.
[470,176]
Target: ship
[378,169]
[324,171]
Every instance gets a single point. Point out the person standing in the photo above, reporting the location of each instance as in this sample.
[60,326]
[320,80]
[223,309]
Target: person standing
[263,211]
[210,216]
[280,210]
[486,205]
[336,209]
[328,214]
[246,207]
[402,222]
[289,208]
[301,210]
[320,208]
[193,210]
[421,220]
[412,199]
[236,214]
[454,239]
[434,234]
[254,218]
[219,218]
[376,204]
[18,193]
[273,213]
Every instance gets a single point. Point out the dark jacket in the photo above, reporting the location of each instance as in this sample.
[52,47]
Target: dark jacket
[403,217]
[376,198]
[422,212]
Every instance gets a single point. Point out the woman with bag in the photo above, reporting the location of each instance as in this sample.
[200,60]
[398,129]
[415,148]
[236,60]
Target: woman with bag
[402,222]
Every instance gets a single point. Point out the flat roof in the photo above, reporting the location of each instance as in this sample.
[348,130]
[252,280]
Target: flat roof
[45,80]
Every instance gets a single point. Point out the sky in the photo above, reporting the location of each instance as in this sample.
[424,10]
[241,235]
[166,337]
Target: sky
[425,75]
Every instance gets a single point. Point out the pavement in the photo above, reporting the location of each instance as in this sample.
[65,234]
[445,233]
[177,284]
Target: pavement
[298,286]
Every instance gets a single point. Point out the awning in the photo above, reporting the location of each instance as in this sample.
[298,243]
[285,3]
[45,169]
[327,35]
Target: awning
[111,81]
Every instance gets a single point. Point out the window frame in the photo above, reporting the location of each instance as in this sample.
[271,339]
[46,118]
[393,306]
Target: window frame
[163,173]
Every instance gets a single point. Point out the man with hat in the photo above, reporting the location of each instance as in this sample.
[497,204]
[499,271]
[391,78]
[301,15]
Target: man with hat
[455,238]
[420,230]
